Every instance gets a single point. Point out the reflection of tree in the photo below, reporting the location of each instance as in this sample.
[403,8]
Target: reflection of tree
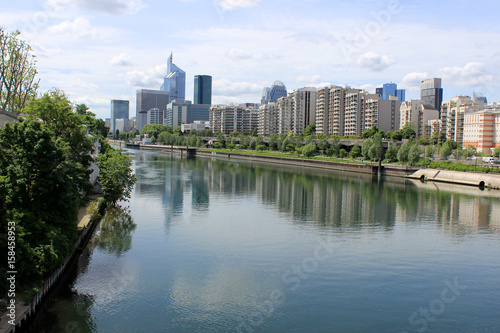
[116,226]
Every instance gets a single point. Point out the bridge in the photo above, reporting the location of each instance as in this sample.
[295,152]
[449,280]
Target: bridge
[189,151]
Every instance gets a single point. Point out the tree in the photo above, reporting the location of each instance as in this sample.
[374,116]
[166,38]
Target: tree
[391,154]
[414,153]
[217,145]
[154,130]
[376,151]
[446,150]
[309,150]
[335,146]
[261,147]
[397,135]
[255,131]
[369,133]
[407,131]
[273,142]
[404,150]
[18,83]
[365,148]
[342,153]
[310,129]
[430,152]
[117,179]
[221,138]
[496,152]
[355,151]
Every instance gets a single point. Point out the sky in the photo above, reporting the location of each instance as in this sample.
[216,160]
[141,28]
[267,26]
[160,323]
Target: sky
[99,50]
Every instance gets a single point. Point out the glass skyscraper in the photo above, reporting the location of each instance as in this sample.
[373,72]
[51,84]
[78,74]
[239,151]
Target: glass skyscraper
[432,93]
[147,100]
[390,89]
[119,110]
[175,81]
[278,90]
[202,89]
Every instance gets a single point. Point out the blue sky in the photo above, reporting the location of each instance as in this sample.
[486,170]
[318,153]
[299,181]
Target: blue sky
[98,50]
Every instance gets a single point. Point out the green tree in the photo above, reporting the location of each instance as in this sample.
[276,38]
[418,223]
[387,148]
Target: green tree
[414,153]
[221,138]
[117,179]
[309,150]
[342,153]
[404,150]
[429,153]
[255,132]
[261,147]
[154,130]
[273,141]
[397,135]
[217,145]
[323,146]
[445,150]
[391,154]
[310,129]
[496,152]
[407,131]
[18,83]
[369,133]
[376,151]
[355,151]
[365,148]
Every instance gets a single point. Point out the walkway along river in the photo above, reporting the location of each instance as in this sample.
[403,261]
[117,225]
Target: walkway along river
[209,245]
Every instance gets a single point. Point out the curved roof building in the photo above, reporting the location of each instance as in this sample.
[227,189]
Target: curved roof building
[278,90]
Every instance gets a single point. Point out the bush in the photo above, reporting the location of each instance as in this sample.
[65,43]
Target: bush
[93,209]
[217,145]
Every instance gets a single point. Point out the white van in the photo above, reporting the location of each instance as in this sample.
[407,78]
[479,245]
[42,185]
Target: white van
[488,159]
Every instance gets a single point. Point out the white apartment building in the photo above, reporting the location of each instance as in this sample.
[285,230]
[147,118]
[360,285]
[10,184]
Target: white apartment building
[268,119]
[382,113]
[229,118]
[296,111]
[417,114]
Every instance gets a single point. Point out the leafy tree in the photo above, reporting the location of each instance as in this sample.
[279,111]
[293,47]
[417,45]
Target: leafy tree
[391,154]
[253,144]
[117,179]
[154,130]
[234,134]
[365,148]
[18,83]
[355,151]
[273,142]
[231,146]
[217,145]
[437,138]
[376,151]
[335,146]
[414,154]
[261,147]
[323,146]
[446,150]
[408,132]
[496,152]
[369,133]
[404,150]
[397,135]
[310,129]
[309,150]
[423,141]
[343,153]
[430,152]
[255,131]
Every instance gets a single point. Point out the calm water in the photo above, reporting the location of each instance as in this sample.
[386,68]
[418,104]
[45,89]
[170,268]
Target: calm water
[206,245]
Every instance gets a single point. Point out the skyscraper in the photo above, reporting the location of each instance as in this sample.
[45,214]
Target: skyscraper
[266,92]
[147,100]
[390,89]
[278,90]
[202,89]
[175,81]
[119,110]
[432,93]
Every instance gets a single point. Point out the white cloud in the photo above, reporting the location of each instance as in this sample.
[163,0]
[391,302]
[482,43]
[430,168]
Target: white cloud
[375,62]
[309,79]
[233,4]
[472,74]
[80,28]
[239,54]
[370,88]
[114,7]
[228,88]
[150,77]
[413,79]
[121,60]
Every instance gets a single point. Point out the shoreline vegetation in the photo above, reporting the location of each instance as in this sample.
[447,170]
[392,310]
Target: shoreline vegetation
[50,162]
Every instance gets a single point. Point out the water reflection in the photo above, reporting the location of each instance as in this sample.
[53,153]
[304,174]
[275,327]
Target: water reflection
[308,196]
[114,234]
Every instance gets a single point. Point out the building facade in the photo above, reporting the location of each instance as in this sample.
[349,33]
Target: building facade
[174,82]
[184,112]
[418,114]
[268,119]
[146,100]
[155,116]
[202,89]
[382,113]
[278,90]
[230,117]
[431,92]
[119,110]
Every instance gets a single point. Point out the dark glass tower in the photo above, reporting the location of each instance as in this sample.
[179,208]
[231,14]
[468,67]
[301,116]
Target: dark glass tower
[432,93]
[202,89]
[278,90]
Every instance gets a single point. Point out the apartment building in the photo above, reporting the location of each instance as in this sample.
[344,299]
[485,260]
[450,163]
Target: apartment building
[482,129]
[418,114]
[229,118]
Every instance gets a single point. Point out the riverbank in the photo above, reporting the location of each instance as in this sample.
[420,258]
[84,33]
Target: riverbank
[469,178]
[25,312]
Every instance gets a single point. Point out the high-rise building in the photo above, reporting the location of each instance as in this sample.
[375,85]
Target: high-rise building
[229,118]
[202,89]
[175,81]
[278,90]
[266,95]
[431,92]
[296,111]
[452,116]
[119,110]
[184,112]
[155,116]
[382,113]
[418,114]
[390,89]
[146,100]
[482,129]
[268,119]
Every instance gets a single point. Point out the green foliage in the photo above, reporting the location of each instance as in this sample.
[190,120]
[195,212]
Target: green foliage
[217,145]
[408,132]
[376,151]
[370,133]
[496,152]
[221,138]
[423,141]
[18,84]
[309,150]
[446,149]
[324,146]
[310,129]
[116,175]
[273,142]
[391,154]
[355,151]
[430,151]
[365,148]
[93,209]
[343,153]
[231,146]
[397,136]
[154,130]
[115,236]
[404,150]
[414,154]
[261,147]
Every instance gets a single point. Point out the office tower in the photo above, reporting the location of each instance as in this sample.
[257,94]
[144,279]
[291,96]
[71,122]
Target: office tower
[431,92]
[149,99]
[202,89]
[390,89]
[119,110]
[184,112]
[278,90]
[266,95]
[175,81]
[155,116]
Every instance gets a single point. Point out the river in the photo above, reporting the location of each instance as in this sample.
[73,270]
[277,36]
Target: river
[208,245]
